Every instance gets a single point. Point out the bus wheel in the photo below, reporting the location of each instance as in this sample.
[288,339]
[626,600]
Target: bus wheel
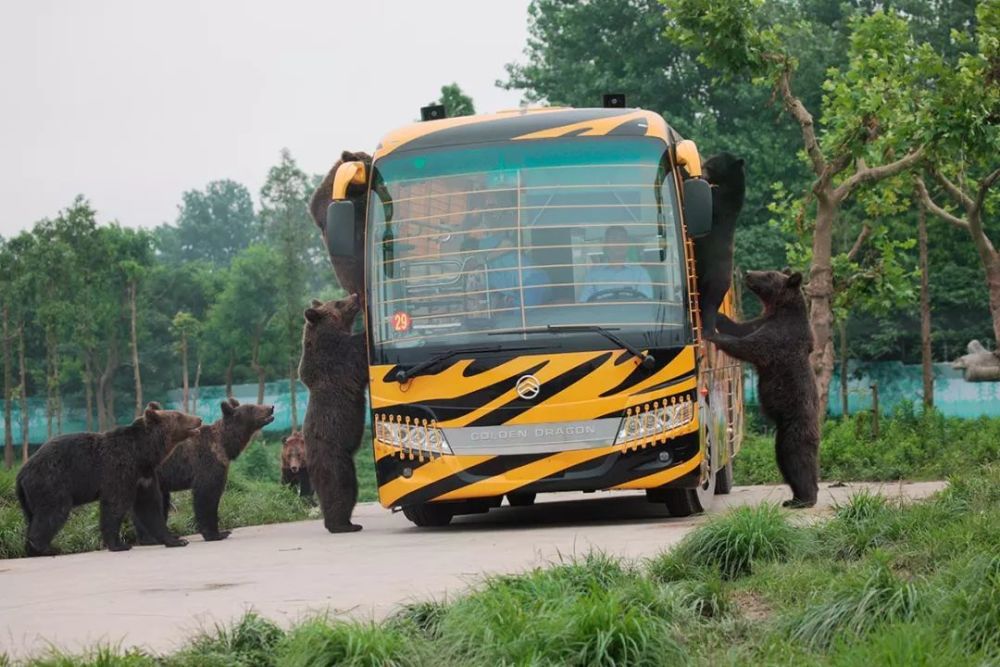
[724,479]
[685,502]
[429,515]
[521,499]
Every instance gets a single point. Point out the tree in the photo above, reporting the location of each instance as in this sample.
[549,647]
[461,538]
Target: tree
[6,275]
[854,146]
[185,327]
[455,102]
[212,225]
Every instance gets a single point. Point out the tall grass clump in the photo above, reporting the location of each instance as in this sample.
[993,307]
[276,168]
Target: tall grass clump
[856,606]
[734,541]
[101,656]
[318,643]
[866,521]
[249,642]
[967,606]
[592,612]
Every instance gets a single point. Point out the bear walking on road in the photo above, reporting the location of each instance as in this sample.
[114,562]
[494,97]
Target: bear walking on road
[334,367]
[111,467]
[778,344]
[294,470]
[714,253]
[349,270]
[201,463]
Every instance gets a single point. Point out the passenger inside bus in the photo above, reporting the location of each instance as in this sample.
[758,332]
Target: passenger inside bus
[616,278]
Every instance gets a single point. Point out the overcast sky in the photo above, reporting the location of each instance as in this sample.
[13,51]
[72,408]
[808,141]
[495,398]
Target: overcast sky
[130,103]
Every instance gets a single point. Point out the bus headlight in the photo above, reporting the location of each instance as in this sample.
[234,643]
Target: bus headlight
[418,438]
[648,424]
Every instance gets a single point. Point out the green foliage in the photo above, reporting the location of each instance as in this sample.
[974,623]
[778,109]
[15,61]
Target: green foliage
[733,542]
[318,642]
[213,225]
[249,642]
[456,103]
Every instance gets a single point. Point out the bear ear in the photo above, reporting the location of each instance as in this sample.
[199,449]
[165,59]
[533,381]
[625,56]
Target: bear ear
[233,402]
[348,156]
[227,409]
[313,316]
[316,303]
[794,280]
[153,405]
[740,163]
[150,414]
[787,270]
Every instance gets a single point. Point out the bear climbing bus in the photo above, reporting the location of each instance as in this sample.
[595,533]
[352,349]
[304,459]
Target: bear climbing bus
[530,301]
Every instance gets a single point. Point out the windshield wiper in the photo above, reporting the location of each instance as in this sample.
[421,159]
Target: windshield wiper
[648,361]
[405,374]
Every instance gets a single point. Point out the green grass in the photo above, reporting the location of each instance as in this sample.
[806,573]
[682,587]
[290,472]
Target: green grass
[912,444]
[254,496]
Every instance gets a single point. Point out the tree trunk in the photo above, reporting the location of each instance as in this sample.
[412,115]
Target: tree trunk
[25,419]
[258,369]
[197,383]
[993,281]
[105,390]
[49,405]
[136,371]
[925,311]
[8,393]
[820,294]
[185,390]
[293,376]
[88,387]
[58,392]
[229,376]
[844,405]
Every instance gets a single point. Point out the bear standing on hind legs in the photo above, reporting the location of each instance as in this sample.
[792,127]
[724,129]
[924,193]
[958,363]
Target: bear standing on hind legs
[778,344]
[713,253]
[334,367]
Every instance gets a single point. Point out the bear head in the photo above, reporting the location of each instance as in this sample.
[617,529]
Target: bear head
[333,315]
[293,452]
[244,420]
[175,426]
[326,336]
[776,289]
[725,169]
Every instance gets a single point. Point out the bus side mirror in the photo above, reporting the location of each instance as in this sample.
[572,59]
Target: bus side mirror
[697,207]
[339,232]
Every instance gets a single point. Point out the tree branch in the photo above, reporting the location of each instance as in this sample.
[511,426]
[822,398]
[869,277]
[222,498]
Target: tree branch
[802,116]
[984,188]
[955,192]
[929,204]
[862,237]
[874,174]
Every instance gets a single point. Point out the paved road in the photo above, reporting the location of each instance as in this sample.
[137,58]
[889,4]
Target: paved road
[157,597]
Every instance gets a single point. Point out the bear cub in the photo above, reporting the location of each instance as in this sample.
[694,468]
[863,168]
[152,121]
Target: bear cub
[778,344]
[334,367]
[713,253]
[111,467]
[294,471]
[201,463]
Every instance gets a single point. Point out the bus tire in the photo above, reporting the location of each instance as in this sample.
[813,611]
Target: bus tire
[521,499]
[429,515]
[724,479]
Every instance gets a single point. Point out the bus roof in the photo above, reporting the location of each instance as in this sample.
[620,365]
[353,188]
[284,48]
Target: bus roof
[524,124]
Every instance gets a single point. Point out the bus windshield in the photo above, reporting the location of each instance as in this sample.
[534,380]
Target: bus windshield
[472,245]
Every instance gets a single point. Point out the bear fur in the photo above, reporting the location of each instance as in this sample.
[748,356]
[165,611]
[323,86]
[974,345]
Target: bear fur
[713,252]
[110,467]
[349,270]
[778,344]
[334,367]
[201,463]
[294,470]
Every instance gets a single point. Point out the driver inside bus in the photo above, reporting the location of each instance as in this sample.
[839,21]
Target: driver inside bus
[616,275]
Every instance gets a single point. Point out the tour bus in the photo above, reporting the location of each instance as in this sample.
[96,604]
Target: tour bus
[531,311]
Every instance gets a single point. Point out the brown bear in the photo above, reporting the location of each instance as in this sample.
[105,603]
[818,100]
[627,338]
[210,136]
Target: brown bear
[201,463]
[111,467]
[334,367]
[294,471]
[349,270]
[778,344]
[713,253]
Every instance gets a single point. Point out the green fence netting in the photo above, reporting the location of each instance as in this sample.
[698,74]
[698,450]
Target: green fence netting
[897,382]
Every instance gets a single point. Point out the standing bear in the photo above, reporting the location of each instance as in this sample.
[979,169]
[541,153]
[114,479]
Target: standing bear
[349,270]
[201,463]
[294,470]
[334,367]
[111,467]
[778,344]
[713,253]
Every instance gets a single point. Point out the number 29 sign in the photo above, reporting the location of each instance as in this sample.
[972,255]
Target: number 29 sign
[401,321]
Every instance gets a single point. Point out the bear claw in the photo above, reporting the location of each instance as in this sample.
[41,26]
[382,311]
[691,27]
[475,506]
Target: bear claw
[796,503]
[347,528]
[215,537]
